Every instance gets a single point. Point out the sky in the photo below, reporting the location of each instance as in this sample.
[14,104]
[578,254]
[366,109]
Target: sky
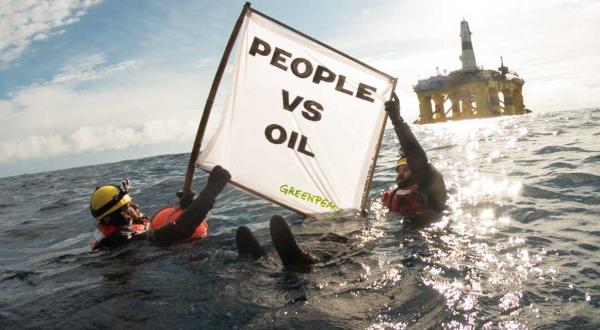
[85,82]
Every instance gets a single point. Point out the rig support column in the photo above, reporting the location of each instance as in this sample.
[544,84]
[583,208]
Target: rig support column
[439,106]
[494,102]
[455,106]
[518,101]
[509,108]
[482,102]
[467,106]
[425,112]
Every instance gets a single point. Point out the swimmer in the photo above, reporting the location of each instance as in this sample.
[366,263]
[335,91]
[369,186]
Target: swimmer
[120,220]
[420,193]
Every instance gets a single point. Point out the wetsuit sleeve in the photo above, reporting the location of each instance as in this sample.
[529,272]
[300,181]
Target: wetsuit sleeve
[415,155]
[191,218]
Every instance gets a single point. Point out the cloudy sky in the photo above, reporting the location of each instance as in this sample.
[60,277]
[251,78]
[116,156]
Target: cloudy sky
[94,81]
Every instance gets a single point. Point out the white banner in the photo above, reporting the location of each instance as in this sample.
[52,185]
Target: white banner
[301,123]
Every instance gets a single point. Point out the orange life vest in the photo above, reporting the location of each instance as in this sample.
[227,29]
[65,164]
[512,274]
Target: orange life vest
[403,201]
[171,213]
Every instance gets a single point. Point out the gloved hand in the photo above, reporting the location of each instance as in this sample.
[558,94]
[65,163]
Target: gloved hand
[393,110]
[217,179]
[185,198]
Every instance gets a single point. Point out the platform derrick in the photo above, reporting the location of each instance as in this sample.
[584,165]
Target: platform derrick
[470,92]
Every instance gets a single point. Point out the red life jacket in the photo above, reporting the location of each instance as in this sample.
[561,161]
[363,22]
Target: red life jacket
[403,201]
[107,230]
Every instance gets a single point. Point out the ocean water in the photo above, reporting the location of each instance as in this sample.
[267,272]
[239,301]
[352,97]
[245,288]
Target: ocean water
[518,248]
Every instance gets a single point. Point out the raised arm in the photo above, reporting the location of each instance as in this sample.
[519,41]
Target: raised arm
[196,212]
[415,155]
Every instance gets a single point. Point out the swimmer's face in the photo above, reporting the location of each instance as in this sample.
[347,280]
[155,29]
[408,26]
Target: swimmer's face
[403,175]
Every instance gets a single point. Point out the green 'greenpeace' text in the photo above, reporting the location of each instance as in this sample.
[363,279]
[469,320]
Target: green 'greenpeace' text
[306,196]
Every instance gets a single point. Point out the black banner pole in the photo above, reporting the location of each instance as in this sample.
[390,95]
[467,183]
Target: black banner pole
[187,185]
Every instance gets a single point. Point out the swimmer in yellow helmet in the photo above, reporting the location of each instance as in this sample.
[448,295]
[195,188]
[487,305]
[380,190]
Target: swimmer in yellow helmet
[420,191]
[120,221]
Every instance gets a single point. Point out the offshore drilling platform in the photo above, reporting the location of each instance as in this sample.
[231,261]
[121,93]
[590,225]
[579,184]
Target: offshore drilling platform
[473,92]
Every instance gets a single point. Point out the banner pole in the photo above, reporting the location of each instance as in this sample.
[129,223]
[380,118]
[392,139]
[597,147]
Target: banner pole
[187,185]
[363,203]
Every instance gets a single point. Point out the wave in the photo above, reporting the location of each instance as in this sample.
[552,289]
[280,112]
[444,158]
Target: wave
[536,192]
[528,215]
[592,159]
[553,149]
[569,180]
[588,247]
[60,203]
[24,276]
[560,165]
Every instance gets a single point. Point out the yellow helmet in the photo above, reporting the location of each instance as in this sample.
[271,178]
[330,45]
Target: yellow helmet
[401,161]
[107,199]
[437,116]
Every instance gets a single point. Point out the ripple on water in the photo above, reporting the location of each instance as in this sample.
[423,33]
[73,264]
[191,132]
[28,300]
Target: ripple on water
[58,204]
[24,276]
[592,159]
[536,192]
[588,247]
[553,149]
[519,174]
[560,165]
[529,214]
[576,322]
[567,180]
[590,273]
[538,241]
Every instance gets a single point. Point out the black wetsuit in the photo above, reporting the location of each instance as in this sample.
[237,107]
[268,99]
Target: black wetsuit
[180,229]
[429,180]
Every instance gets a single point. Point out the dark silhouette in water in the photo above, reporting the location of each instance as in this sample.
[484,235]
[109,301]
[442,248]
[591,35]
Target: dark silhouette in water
[292,256]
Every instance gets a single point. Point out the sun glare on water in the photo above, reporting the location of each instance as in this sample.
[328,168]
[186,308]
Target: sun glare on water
[477,257]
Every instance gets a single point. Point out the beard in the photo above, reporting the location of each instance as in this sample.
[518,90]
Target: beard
[405,182]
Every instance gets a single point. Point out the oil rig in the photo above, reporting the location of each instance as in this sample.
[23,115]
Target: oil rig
[472,91]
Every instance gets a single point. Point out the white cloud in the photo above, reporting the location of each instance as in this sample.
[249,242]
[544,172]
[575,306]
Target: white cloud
[70,115]
[204,63]
[23,21]
[49,145]
[90,67]
[97,139]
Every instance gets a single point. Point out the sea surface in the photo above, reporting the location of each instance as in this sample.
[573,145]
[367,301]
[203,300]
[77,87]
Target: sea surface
[518,248]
